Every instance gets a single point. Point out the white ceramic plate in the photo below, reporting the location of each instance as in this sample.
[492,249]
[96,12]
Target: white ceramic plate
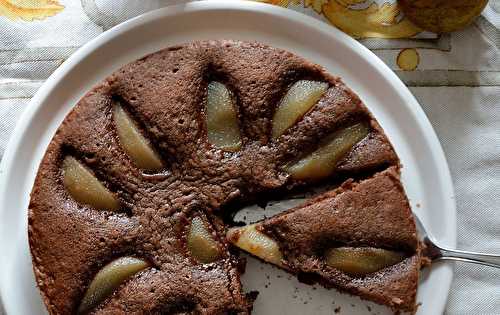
[425,175]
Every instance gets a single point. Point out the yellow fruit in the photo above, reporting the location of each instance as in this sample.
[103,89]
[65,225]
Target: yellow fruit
[297,101]
[361,261]
[201,243]
[250,239]
[84,187]
[442,16]
[108,279]
[133,142]
[222,122]
[322,162]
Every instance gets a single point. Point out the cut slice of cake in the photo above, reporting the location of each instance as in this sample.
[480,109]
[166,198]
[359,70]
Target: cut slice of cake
[359,238]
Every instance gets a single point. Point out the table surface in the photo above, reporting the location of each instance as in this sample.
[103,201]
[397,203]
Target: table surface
[455,77]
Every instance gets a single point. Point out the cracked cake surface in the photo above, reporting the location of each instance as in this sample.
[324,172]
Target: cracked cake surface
[134,171]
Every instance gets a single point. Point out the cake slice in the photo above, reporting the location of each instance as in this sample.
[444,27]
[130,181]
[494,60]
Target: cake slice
[359,238]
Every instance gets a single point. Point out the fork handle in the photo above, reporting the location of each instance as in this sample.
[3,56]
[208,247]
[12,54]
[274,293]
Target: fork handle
[492,260]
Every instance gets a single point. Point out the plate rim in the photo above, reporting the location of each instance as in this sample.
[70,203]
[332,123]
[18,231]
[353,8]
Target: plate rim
[35,105]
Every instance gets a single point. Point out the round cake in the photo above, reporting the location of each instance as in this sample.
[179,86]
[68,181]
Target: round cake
[128,213]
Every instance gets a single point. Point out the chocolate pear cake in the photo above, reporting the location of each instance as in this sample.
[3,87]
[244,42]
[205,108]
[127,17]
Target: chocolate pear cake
[360,238]
[127,210]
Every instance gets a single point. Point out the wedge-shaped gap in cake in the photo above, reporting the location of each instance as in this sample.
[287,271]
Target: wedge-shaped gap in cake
[108,279]
[131,136]
[322,162]
[240,211]
[84,187]
[221,118]
[201,240]
[300,98]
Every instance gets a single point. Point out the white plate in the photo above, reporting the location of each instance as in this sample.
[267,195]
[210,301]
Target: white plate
[425,175]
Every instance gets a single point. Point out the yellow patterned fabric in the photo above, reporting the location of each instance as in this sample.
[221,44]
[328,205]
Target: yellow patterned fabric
[29,10]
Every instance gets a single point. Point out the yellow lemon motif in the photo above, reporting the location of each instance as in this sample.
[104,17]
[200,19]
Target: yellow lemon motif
[29,10]
[316,5]
[281,3]
[408,59]
[373,21]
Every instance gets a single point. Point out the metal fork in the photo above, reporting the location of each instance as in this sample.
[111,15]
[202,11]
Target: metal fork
[437,252]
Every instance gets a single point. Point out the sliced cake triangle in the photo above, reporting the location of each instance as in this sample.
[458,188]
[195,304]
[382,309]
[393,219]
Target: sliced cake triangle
[359,238]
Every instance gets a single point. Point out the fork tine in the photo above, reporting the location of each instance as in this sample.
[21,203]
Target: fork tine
[420,227]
